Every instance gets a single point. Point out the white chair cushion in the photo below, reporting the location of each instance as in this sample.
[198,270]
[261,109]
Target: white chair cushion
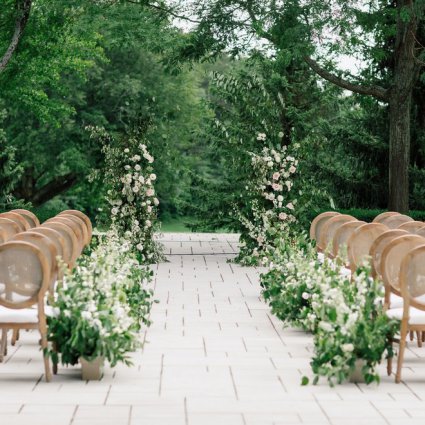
[23,315]
[417,317]
[397,302]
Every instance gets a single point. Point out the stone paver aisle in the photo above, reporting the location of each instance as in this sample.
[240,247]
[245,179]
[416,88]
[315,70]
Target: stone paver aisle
[214,355]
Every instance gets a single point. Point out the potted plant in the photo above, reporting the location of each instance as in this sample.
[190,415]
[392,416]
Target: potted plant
[97,317]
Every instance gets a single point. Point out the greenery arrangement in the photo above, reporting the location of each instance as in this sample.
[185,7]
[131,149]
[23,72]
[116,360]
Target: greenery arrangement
[344,313]
[101,306]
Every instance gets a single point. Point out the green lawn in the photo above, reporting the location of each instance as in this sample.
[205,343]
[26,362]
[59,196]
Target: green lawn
[174,225]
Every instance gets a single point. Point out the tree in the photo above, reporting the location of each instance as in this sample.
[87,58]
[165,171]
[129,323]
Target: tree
[372,30]
[22,11]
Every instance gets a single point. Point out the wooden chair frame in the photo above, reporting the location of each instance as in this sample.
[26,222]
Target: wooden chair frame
[395,221]
[30,217]
[314,224]
[38,299]
[377,228]
[329,229]
[81,223]
[83,217]
[18,219]
[6,222]
[383,216]
[346,227]
[408,301]
[412,226]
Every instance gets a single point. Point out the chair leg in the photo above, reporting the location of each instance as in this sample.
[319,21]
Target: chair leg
[412,335]
[390,361]
[54,360]
[15,336]
[419,337]
[403,336]
[423,336]
[44,346]
[3,344]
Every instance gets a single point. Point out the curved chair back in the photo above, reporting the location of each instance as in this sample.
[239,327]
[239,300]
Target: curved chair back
[30,217]
[57,239]
[379,245]
[395,221]
[318,222]
[82,225]
[341,237]
[329,229]
[359,243]
[72,245]
[46,247]
[393,255]
[76,228]
[18,219]
[9,227]
[412,277]
[24,274]
[383,216]
[3,236]
[83,217]
[412,226]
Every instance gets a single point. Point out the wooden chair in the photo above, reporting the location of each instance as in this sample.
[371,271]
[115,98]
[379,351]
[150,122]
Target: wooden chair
[318,223]
[412,226]
[48,250]
[395,221]
[18,219]
[30,217]
[9,227]
[412,288]
[359,243]
[85,218]
[340,239]
[392,256]
[329,229]
[82,225]
[379,245]
[72,245]
[3,235]
[24,277]
[57,239]
[76,229]
[383,216]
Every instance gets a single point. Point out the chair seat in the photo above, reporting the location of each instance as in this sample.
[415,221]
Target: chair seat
[23,315]
[397,301]
[417,317]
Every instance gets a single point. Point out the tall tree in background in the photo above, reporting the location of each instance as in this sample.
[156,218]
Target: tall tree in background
[319,32]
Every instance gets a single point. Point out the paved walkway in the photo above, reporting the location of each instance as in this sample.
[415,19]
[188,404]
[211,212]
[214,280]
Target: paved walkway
[214,356]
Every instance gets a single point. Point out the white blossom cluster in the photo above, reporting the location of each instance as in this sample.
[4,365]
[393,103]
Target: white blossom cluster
[133,198]
[273,203]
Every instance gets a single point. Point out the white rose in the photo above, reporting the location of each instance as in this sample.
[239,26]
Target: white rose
[290,206]
[156,201]
[137,167]
[126,150]
[152,177]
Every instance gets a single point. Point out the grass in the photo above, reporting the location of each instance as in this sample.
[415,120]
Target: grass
[175,226]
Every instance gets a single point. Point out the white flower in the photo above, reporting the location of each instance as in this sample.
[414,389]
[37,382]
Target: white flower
[261,136]
[292,169]
[152,177]
[305,295]
[347,348]
[150,192]
[137,167]
[290,206]
[326,326]
[114,211]
[156,201]
[127,167]
[280,198]
[148,223]
[280,134]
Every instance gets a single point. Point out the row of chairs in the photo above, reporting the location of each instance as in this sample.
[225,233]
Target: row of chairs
[395,246]
[30,256]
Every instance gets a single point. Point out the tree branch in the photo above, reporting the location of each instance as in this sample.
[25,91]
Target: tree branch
[165,10]
[53,188]
[23,8]
[378,92]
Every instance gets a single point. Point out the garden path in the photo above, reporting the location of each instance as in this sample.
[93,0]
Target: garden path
[214,355]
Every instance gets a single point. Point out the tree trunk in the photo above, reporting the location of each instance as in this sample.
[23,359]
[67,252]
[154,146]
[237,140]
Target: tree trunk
[406,72]
[399,154]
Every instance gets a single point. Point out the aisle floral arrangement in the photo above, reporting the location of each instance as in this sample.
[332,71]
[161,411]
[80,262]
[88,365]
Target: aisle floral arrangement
[345,315]
[101,305]
[272,201]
